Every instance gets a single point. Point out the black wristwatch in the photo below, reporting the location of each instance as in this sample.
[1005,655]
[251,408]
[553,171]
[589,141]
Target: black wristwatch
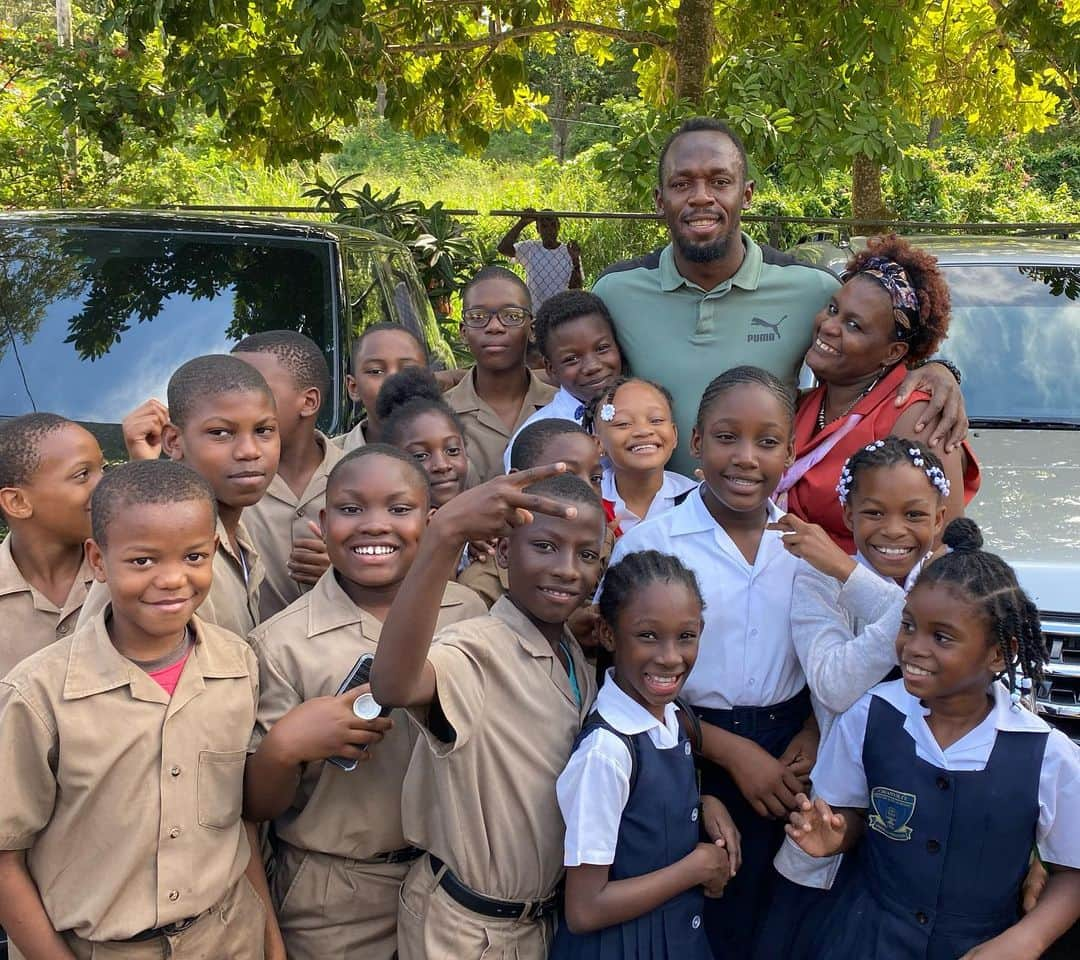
[947,364]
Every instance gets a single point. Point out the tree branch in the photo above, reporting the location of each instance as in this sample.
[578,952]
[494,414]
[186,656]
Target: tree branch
[559,26]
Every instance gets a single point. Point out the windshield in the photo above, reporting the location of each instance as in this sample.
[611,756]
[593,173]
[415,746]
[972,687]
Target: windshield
[96,320]
[1015,334]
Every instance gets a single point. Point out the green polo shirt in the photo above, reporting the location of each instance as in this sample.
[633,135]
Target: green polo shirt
[674,332]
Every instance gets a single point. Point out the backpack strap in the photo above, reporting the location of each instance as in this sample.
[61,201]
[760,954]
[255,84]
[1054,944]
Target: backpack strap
[690,723]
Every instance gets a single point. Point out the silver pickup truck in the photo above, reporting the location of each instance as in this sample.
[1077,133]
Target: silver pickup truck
[1015,334]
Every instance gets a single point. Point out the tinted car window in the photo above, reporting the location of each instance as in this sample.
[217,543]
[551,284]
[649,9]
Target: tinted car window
[1015,334]
[96,320]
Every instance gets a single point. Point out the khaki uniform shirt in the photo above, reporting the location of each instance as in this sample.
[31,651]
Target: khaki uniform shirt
[306,652]
[231,603]
[30,621]
[347,442]
[486,436]
[279,519]
[485,804]
[126,801]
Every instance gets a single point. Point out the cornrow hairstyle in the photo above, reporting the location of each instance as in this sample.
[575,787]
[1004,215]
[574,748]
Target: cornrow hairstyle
[888,452]
[141,482]
[405,396]
[495,272]
[567,488]
[695,125]
[564,307]
[636,571]
[594,406]
[382,326]
[741,376]
[379,450]
[20,445]
[990,583]
[533,439]
[931,326]
[298,354]
[211,376]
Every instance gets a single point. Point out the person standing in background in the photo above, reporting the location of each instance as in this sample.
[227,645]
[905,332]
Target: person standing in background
[550,266]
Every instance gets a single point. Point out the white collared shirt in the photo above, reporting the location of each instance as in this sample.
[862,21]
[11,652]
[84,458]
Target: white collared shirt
[564,406]
[595,786]
[747,656]
[840,779]
[674,485]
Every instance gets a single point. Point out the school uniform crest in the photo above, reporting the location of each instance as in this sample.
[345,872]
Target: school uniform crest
[890,812]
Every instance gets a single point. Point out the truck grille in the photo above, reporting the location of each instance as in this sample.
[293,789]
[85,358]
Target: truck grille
[1058,696]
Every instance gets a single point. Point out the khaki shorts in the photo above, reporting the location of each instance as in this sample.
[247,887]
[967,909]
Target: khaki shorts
[233,928]
[334,908]
[433,926]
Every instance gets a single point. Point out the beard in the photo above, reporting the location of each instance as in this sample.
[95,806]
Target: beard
[703,252]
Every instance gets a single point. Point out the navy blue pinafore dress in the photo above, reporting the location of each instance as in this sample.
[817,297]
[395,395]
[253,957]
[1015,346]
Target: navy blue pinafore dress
[945,852]
[659,827]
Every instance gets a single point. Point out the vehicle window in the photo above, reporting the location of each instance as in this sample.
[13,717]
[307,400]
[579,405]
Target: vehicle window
[96,320]
[1015,334]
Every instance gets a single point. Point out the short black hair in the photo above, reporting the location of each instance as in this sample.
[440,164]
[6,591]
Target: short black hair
[568,488]
[637,570]
[298,354]
[406,395]
[563,307]
[494,271]
[20,445]
[696,125]
[379,450]
[145,482]
[386,325]
[211,376]
[527,447]
[991,585]
[740,376]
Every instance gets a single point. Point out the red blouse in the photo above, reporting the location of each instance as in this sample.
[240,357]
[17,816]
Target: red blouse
[813,497]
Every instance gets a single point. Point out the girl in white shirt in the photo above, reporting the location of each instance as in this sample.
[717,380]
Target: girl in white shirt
[629,796]
[747,685]
[634,423]
[949,782]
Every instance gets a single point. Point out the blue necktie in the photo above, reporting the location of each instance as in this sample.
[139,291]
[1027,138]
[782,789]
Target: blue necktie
[579,412]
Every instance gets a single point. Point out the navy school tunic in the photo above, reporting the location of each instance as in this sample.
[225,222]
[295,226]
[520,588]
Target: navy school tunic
[944,854]
[659,826]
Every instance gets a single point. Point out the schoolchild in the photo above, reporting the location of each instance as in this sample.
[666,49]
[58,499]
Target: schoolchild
[634,422]
[500,392]
[122,751]
[543,441]
[284,524]
[49,467]
[894,494]
[417,420]
[498,701]
[223,424]
[747,686]
[341,854]
[382,350]
[949,781]
[636,870]
[575,335]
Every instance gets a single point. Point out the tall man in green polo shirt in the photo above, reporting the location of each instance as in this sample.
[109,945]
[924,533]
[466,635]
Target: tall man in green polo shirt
[714,299]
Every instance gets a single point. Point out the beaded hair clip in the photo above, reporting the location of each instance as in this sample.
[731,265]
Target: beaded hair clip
[934,474]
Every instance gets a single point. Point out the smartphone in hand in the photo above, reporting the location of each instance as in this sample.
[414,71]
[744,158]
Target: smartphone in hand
[364,706]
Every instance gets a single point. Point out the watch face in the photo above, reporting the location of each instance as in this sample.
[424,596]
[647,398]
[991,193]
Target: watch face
[366,707]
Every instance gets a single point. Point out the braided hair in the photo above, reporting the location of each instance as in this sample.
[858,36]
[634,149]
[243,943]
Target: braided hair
[740,376]
[637,570]
[594,406]
[990,583]
[888,452]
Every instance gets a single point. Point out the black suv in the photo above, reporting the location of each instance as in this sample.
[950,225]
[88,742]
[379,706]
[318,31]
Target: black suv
[99,308]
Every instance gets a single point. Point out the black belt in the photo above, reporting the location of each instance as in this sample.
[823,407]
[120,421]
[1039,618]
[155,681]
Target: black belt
[168,930]
[749,720]
[488,906]
[404,855]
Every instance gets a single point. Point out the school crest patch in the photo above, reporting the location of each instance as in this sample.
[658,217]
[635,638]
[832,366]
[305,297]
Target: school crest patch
[890,811]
